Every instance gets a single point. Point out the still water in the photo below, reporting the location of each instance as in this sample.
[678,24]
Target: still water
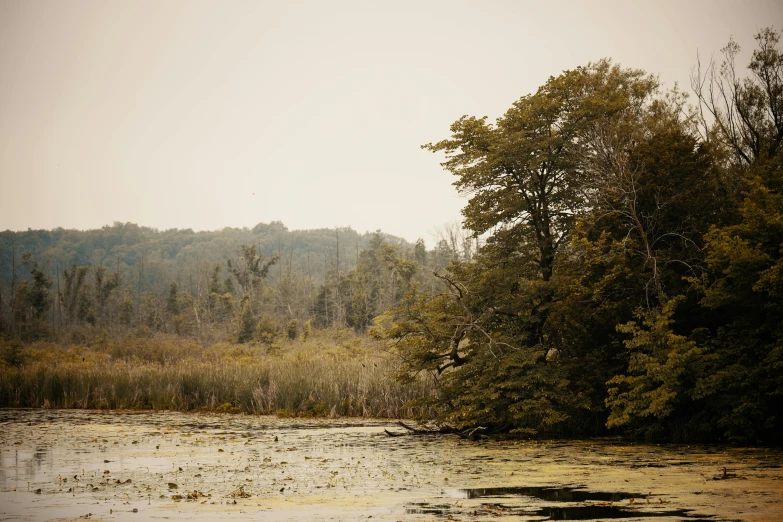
[77,465]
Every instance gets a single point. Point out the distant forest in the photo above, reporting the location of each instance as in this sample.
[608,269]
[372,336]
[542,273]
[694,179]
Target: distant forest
[629,278]
[170,254]
[125,275]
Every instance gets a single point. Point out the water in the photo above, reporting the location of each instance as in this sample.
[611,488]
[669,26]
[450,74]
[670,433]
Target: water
[551,494]
[181,466]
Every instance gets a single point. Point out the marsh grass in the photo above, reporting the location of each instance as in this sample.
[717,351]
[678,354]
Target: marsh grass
[333,374]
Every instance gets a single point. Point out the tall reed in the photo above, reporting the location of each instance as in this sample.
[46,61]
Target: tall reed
[328,375]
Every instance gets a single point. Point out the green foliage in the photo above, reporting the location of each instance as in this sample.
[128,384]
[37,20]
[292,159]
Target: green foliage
[192,283]
[306,331]
[292,329]
[531,398]
[32,300]
[245,321]
[266,331]
[172,307]
[36,295]
[420,252]
[382,276]
[153,255]
[249,267]
[13,354]
[74,297]
[523,172]
[743,388]
[631,278]
[662,371]
[485,377]
[488,332]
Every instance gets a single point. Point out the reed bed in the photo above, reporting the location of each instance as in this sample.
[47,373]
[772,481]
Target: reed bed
[330,375]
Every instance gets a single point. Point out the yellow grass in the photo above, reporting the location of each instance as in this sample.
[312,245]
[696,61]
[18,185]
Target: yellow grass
[333,373]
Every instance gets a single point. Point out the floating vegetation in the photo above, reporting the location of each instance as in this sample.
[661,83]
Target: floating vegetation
[348,469]
[240,493]
[196,495]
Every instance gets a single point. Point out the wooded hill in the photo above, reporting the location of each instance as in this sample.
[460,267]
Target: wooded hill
[170,254]
[200,283]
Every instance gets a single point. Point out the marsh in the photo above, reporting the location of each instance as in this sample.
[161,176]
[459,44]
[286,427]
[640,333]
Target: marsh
[77,464]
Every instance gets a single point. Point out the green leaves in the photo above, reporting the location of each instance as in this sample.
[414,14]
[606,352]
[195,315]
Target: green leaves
[661,371]
[618,239]
[528,187]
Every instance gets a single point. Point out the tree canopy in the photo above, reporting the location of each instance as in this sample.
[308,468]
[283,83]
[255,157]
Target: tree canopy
[631,274]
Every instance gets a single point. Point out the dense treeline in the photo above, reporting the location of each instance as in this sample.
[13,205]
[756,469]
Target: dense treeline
[231,285]
[149,256]
[632,278]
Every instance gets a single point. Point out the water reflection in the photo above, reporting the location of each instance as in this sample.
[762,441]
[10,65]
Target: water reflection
[550,494]
[605,512]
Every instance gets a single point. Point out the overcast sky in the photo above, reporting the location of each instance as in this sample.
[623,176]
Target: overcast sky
[203,115]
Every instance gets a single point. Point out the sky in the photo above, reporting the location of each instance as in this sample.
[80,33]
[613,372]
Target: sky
[205,114]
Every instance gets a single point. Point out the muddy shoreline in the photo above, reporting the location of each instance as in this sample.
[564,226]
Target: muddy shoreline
[103,465]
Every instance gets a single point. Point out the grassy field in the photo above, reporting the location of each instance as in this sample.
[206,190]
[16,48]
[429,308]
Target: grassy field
[334,373]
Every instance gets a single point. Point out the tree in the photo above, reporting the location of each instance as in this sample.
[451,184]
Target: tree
[32,300]
[524,173]
[172,306]
[662,374]
[743,387]
[74,296]
[712,370]
[249,267]
[747,112]
[306,331]
[528,188]
[654,192]
[266,331]
[420,252]
[292,329]
[382,276]
[105,286]
[245,321]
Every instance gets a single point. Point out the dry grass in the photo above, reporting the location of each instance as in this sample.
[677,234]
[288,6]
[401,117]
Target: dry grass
[334,373]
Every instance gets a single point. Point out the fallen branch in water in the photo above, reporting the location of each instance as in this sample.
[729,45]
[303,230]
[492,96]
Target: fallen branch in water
[470,433]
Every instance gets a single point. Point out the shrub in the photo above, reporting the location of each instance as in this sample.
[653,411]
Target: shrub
[292,329]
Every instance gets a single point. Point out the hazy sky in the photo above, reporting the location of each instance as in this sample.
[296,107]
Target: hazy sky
[203,115]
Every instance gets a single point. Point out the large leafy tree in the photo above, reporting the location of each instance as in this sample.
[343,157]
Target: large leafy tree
[523,173]
[489,333]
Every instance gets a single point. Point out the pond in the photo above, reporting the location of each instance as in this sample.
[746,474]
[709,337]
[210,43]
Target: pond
[76,465]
